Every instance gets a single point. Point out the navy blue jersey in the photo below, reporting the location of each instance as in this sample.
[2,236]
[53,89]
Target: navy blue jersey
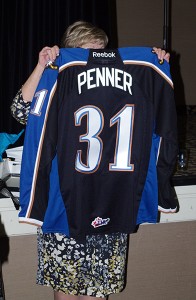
[100,143]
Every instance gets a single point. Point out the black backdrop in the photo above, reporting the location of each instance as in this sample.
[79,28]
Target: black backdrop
[27,26]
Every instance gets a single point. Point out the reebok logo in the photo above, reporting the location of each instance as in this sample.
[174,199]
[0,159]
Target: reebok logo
[104,54]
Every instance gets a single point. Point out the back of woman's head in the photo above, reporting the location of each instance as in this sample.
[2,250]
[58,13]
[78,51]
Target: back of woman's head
[81,33]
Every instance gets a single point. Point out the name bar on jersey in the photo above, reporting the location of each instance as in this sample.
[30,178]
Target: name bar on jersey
[105,76]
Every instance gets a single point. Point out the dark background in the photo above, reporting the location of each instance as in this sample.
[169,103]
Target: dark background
[27,26]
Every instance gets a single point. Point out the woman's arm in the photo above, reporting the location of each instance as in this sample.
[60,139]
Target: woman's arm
[45,55]
[20,106]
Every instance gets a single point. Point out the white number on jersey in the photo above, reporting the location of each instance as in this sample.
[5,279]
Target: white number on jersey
[40,97]
[95,123]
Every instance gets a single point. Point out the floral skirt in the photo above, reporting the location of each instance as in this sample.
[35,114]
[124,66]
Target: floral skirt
[94,268]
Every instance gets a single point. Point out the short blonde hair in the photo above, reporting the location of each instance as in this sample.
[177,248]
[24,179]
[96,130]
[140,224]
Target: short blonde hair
[82,32]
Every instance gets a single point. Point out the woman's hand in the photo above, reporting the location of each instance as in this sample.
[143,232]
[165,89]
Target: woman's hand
[48,54]
[162,54]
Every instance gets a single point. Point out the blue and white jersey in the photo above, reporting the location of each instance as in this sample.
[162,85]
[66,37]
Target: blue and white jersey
[100,143]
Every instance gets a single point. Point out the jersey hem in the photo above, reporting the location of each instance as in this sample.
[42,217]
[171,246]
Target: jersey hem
[142,221]
[54,230]
[30,221]
[167,210]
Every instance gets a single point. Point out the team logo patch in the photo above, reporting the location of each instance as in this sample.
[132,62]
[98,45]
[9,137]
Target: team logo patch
[100,222]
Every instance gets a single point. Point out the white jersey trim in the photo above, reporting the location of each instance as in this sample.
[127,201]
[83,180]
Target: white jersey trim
[30,221]
[167,210]
[72,63]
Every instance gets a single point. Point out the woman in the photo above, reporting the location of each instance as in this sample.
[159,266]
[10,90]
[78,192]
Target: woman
[96,268]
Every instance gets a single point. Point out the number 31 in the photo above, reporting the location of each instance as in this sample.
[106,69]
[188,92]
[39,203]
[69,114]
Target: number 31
[95,124]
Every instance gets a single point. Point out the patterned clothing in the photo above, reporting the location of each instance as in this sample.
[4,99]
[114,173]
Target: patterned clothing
[95,268]
[20,109]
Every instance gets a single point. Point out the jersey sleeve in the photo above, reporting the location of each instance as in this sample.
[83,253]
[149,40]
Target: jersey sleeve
[33,209]
[166,129]
[47,153]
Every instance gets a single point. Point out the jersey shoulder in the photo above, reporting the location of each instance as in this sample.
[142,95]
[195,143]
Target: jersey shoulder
[144,56]
[72,55]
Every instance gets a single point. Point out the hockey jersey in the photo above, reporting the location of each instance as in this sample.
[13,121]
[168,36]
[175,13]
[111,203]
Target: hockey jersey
[100,143]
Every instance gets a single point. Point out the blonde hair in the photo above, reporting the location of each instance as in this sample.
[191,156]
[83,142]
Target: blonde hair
[82,32]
